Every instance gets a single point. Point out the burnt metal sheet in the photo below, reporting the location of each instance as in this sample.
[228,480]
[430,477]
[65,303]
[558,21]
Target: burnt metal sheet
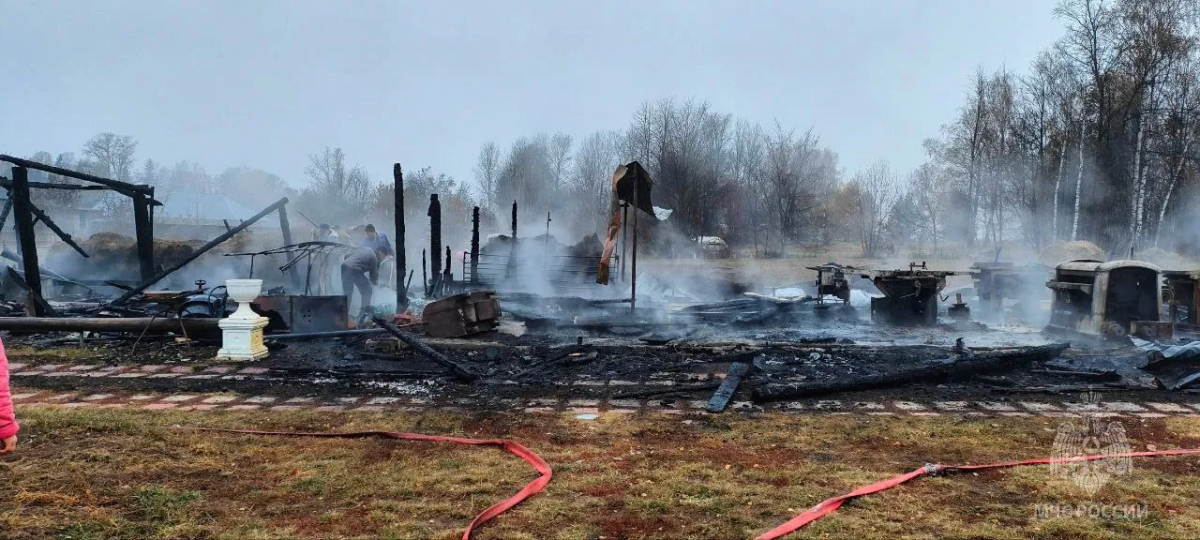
[305,314]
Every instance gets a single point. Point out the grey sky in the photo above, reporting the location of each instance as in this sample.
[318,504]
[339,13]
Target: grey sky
[264,84]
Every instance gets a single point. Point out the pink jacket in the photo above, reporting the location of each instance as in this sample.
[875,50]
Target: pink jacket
[8,421]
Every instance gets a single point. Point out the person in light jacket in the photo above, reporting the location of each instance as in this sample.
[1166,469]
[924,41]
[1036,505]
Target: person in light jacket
[8,420]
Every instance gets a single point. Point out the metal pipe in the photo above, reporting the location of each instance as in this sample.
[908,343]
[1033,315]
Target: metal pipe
[320,335]
[115,324]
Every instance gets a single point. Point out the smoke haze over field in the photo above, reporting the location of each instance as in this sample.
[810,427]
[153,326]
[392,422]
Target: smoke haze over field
[265,84]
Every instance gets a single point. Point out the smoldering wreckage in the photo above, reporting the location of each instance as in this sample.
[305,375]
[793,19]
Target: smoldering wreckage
[528,318]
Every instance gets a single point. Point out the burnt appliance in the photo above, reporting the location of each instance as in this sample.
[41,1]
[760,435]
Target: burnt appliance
[1183,293]
[910,296]
[832,281]
[1104,299]
[300,314]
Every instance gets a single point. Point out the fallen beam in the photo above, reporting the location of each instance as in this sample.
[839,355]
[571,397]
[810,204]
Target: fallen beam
[201,251]
[720,398]
[43,307]
[460,371]
[58,231]
[113,324]
[976,364]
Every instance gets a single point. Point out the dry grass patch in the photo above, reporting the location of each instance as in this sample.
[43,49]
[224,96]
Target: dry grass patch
[108,474]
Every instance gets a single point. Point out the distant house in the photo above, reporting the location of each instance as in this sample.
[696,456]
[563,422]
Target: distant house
[186,215]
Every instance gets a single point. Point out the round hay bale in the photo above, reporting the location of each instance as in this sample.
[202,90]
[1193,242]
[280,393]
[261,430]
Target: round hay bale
[1060,252]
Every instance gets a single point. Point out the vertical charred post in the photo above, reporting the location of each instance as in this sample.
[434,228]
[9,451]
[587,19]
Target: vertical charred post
[435,242]
[475,245]
[424,276]
[401,263]
[285,227]
[26,239]
[512,250]
[447,272]
[143,226]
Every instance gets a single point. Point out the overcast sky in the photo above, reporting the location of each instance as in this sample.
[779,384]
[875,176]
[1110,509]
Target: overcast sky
[264,84]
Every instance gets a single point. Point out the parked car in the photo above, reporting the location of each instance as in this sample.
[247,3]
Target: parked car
[712,247]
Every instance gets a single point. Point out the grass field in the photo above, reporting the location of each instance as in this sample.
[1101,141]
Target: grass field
[108,474]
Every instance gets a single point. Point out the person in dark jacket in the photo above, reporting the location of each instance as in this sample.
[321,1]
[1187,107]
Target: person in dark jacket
[360,269]
[377,241]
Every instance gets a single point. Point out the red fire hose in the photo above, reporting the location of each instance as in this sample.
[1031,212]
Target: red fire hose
[492,511]
[828,506]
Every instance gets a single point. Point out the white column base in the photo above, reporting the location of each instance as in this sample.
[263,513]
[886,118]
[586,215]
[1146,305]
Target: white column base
[242,339]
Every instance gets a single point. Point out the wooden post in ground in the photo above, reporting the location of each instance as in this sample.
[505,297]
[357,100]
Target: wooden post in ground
[475,245]
[401,264]
[144,230]
[285,227]
[435,243]
[26,239]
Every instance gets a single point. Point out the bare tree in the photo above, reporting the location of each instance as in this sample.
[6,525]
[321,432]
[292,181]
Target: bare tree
[487,173]
[877,194]
[114,153]
[336,191]
[591,182]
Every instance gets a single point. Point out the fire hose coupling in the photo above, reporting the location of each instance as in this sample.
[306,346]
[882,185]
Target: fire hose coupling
[932,469]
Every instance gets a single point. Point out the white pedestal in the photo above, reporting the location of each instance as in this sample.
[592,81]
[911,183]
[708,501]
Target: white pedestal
[242,338]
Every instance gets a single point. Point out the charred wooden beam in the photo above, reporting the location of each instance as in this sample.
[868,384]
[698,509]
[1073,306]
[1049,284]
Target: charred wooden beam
[39,215]
[143,226]
[401,262]
[4,213]
[107,324]
[43,306]
[721,397]
[424,275]
[285,227]
[201,251]
[435,242]
[26,239]
[474,245]
[968,366]
[460,371]
[6,183]
[123,187]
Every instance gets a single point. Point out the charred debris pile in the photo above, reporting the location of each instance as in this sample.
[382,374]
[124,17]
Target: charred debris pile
[517,315]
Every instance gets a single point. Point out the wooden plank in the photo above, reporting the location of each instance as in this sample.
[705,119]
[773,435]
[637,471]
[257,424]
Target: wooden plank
[720,398]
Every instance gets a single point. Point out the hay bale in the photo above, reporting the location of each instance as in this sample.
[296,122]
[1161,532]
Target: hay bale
[1167,260]
[1060,252]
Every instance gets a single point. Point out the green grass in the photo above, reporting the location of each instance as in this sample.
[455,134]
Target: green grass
[116,474]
